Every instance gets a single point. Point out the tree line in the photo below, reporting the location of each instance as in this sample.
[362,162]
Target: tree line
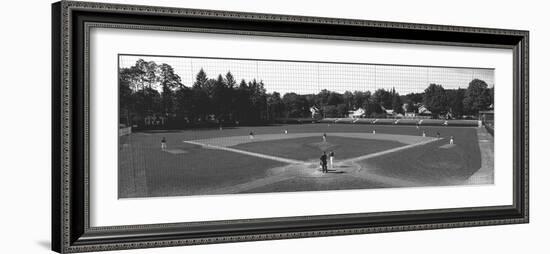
[153,93]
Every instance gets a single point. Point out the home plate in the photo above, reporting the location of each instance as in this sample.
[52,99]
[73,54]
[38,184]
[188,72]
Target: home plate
[175,151]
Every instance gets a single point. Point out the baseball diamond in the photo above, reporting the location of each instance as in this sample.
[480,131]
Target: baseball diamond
[214,161]
[202,125]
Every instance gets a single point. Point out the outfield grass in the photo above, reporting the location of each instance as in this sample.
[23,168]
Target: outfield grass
[177,136]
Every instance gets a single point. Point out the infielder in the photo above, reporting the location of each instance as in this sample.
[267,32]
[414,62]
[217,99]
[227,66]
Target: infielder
[163,144]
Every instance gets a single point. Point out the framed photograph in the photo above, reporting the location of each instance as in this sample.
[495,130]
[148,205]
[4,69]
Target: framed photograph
[182,126]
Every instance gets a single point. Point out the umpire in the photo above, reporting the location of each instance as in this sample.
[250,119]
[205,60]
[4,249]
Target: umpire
[324,162]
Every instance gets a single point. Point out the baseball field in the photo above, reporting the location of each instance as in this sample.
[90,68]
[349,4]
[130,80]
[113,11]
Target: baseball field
[285,158]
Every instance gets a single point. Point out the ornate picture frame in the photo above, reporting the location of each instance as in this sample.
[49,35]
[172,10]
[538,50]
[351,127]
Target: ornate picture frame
[71,202]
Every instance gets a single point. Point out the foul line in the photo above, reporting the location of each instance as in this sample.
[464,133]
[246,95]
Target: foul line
[390,181]
[372,155]
[291,161]
[208,146]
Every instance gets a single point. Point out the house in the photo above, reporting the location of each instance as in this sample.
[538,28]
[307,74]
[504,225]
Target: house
[410,114]
[358,113]
[314,111]
[389,112]
[423,110]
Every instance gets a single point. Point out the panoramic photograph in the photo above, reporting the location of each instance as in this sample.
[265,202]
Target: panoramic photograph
[214,126]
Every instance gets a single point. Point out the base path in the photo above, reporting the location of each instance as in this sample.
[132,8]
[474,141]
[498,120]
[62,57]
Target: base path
[225,143]
[275,158]
[345,170]
[237,140]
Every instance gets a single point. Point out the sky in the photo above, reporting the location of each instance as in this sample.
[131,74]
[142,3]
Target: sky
[312,77]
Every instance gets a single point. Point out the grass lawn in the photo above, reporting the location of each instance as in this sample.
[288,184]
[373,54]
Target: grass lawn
[179,135]
[191,172]
[311,148]
[146,171]
[302,184]
[436,163]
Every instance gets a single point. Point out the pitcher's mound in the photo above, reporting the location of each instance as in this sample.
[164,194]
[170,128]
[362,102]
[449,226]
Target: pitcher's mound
[323,146]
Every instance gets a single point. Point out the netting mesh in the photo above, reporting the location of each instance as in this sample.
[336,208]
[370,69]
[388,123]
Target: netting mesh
[312,77]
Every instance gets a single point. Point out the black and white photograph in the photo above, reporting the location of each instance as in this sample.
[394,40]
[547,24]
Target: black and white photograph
[274,127]
[192,125]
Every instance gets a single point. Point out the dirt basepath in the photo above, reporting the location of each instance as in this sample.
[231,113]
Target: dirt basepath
[236,140]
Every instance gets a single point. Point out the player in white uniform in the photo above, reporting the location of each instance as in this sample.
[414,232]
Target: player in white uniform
[163,144]
[331,157]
